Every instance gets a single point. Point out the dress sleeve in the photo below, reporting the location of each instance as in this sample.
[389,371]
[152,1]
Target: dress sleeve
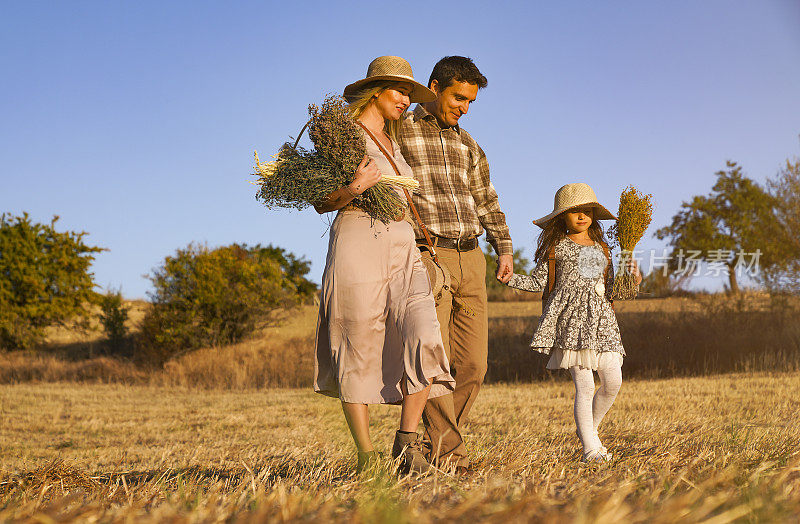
[536,281]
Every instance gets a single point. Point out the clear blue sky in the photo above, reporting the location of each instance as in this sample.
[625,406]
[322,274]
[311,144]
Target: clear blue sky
[137,121]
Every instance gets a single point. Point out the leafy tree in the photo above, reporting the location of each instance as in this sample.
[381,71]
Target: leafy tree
[496,290]
[785,189]
[208,297]
[44,279]
[738,216]
[294,269]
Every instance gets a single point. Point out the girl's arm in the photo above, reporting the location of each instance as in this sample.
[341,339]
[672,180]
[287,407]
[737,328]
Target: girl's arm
[367,175]
[536,281]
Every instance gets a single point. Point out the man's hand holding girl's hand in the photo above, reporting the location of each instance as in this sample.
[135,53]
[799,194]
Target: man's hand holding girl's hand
[505,268]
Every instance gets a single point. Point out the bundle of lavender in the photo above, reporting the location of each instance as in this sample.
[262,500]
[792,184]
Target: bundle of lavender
[633,218]
[298,178]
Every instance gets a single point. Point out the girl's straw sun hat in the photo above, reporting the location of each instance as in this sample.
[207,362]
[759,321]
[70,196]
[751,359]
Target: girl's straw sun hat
[391,68]
[575,195]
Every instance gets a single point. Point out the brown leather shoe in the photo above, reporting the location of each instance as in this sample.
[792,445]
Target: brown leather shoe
[407,448]
[464,472]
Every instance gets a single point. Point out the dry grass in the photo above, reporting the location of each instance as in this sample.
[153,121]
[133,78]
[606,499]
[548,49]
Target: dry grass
[18,367]
[205,440]
[666,337]
[58,337]
[715,449]
[663,338]
[279,357]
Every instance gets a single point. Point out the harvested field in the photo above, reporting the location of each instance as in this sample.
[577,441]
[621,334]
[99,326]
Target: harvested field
[724,448]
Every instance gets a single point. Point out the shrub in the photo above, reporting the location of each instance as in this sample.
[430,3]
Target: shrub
[208,297]
[44,279]
[113,316]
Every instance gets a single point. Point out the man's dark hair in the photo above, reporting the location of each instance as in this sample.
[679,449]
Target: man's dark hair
[458,69]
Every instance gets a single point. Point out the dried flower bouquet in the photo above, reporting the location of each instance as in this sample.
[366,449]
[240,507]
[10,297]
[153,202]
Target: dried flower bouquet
[298,178]
[633,218]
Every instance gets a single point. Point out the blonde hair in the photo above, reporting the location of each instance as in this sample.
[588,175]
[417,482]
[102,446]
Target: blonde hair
[363,97]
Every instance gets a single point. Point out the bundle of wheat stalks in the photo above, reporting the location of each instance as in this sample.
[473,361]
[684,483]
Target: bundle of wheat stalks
[298,177]
[633,218]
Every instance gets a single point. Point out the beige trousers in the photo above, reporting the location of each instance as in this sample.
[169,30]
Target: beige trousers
[462,314]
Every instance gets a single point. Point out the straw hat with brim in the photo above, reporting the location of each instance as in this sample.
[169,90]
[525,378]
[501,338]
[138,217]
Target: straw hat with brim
[390,68]
[572,196]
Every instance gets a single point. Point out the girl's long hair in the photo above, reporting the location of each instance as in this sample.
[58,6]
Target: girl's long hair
[362,98]
[556,230]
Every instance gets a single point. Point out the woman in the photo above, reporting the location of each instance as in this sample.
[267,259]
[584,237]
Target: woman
[378,339]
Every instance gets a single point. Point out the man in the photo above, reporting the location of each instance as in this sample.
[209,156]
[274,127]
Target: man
[456,202]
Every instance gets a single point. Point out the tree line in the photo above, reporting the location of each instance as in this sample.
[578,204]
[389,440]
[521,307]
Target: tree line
[200,296]
[213,296]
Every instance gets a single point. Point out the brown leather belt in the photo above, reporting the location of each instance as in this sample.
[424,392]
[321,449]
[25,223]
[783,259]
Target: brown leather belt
[463,244]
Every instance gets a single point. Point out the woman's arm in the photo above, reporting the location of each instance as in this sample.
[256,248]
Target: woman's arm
[336,200]
[535,282]
[367,175]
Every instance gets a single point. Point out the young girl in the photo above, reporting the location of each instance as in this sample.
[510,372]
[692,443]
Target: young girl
[578,328]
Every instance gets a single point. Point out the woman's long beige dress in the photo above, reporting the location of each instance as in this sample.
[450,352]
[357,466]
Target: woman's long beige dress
[377,321]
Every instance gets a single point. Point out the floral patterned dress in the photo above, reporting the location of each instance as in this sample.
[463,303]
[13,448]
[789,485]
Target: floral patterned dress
[577,326]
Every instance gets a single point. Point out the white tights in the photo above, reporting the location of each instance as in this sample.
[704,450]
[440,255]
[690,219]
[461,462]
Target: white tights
[591,407]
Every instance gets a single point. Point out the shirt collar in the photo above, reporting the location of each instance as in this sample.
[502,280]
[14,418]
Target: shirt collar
[420,113]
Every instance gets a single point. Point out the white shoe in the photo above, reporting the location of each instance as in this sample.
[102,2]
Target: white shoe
[597,456]
[602,451]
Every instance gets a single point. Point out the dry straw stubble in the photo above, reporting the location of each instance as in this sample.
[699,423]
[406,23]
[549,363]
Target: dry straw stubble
[691,449]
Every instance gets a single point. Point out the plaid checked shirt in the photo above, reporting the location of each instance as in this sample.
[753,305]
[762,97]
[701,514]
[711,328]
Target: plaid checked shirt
[455,199]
